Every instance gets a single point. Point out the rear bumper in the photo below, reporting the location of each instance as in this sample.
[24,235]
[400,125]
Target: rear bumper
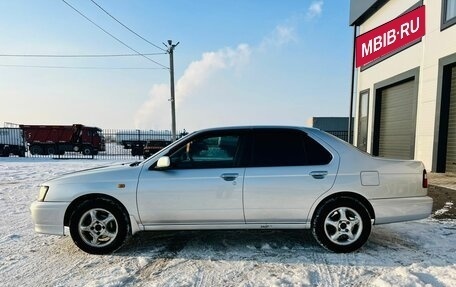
[401,209]
[48,216]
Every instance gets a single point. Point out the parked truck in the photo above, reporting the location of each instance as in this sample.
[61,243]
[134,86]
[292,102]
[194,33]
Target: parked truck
[48,139]
[12,142]
[137,140]
[154,146]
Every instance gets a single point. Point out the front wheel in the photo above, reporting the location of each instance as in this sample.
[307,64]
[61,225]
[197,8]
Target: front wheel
[342,225]
[99,226]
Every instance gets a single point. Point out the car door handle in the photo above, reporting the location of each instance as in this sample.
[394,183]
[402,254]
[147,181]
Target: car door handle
[320,174]
[229,176]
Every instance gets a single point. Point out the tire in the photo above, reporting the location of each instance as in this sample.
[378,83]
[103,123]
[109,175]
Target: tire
[4,151]
[135,151]
[36,149]
[342,225]
[87,150]
[51,150]
[99,226]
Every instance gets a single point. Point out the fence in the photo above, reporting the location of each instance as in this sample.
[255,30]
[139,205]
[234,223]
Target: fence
[116,144]
[343,135]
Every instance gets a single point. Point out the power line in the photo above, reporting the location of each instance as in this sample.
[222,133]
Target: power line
[78,55]
[109,14]
[114,37]
[76,67]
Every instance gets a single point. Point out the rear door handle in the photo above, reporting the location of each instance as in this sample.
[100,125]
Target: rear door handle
[229,176]
[318,174]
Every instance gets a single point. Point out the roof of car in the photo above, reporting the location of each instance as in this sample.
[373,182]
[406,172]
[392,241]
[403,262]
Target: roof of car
[257,127]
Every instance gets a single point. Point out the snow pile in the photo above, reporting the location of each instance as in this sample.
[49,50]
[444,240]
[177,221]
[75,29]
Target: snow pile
[420,253]
[445,209]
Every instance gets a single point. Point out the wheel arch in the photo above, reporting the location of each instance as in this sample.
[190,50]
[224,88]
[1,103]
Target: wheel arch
[93,196]
[349,194]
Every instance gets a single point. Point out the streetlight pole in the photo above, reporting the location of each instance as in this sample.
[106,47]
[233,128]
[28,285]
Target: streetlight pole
[170,51]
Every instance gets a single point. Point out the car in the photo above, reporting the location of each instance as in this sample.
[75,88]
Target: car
[255,177]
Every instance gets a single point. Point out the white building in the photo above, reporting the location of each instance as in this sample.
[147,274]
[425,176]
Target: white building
[405,103]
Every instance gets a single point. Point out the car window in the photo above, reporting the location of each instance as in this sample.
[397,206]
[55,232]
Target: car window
[212,151]
[286,148]
[316,153]
[278,148]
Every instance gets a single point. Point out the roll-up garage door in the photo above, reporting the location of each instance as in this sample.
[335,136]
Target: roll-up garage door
[397,122]
[451,144]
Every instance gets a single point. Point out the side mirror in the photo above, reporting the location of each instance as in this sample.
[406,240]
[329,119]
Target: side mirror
[164,162]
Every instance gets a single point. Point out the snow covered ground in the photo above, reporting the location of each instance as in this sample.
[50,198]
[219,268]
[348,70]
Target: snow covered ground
[420,253]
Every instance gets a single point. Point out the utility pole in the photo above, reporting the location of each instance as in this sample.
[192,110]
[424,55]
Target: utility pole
[170,51]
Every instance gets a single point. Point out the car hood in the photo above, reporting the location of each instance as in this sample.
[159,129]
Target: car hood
[97,174]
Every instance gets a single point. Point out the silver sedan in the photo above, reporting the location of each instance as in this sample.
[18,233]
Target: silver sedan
[237,178]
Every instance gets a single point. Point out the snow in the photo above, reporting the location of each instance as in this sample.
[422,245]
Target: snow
[419,253]
[445,209]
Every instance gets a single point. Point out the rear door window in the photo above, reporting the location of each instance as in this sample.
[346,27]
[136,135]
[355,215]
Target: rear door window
[281,147]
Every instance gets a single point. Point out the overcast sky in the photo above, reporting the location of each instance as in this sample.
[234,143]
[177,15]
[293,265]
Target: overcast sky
[239,62]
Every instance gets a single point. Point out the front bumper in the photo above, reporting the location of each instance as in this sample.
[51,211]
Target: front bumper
[401,209]
[48,216]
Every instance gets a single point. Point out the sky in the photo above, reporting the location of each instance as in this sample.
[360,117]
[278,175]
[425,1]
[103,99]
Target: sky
[238,62]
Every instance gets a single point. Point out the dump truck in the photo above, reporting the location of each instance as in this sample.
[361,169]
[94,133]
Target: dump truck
[12,142]
[56,139]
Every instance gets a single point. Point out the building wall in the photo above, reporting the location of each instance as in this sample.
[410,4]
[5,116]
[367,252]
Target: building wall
[425,56]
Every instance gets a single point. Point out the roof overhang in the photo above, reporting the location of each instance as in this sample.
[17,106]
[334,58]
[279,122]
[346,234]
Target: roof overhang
[361,10]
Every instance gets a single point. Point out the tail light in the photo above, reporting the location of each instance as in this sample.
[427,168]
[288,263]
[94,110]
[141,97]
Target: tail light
[425,179]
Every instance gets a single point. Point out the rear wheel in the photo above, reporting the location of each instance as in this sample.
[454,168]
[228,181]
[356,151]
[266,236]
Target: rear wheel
[5,152]
[136,151]
[87,150]
[36,149]
[51,150]
[99,226]
[342,225]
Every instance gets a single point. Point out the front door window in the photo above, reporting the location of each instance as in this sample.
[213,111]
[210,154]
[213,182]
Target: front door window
[207,152]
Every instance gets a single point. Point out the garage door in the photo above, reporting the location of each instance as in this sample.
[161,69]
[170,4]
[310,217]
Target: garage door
[397,122]
[451,145]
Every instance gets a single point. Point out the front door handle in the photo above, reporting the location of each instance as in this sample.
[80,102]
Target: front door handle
[318,174]
[229,176]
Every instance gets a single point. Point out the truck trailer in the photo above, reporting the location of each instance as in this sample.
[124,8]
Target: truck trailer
[53,139]
[138,140]
[12,142]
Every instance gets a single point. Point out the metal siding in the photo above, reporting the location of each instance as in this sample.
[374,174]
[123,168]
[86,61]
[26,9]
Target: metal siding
[397,125]
[451,144]
[331,123]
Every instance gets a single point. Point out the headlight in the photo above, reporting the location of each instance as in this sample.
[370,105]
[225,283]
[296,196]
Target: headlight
[43,191]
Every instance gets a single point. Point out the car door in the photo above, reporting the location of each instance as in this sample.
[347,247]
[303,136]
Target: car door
[203,184]
[288,171]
